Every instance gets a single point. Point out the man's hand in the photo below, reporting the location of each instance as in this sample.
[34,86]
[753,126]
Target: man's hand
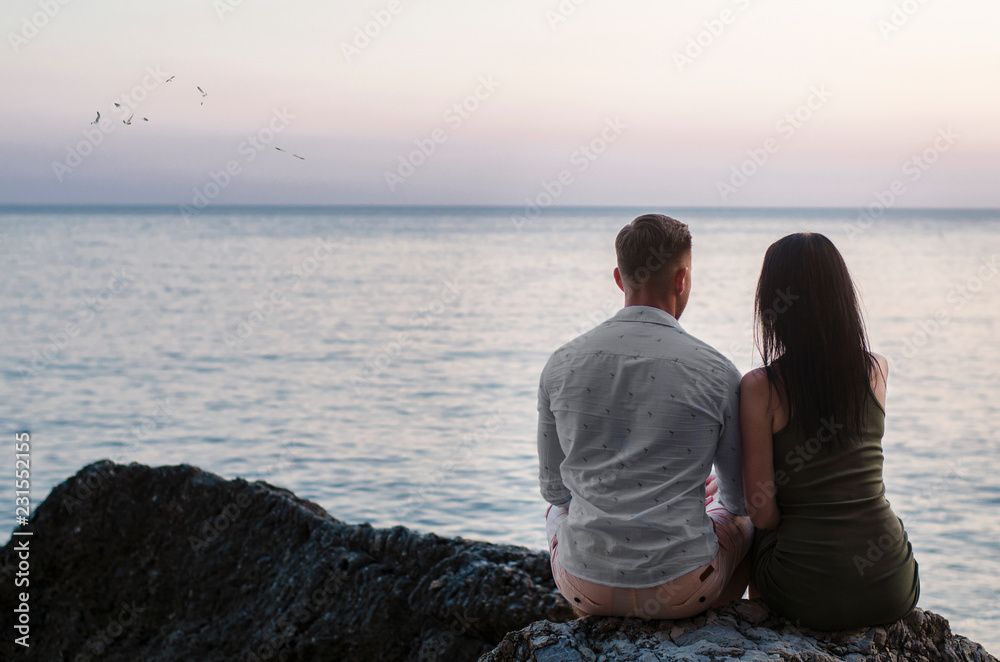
[711,487]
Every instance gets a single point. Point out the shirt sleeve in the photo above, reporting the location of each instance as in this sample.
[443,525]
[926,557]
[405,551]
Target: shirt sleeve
[550,453]
[729,452]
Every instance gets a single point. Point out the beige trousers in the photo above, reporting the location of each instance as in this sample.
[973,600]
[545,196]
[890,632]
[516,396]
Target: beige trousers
[686,596]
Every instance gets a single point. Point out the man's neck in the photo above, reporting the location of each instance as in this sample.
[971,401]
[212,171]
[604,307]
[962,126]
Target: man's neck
[668,306]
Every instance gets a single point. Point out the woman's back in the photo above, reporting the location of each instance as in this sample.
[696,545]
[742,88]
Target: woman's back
[829,551]
[839,557]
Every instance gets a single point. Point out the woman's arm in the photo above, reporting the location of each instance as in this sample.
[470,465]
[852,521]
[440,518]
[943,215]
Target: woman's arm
[756,421]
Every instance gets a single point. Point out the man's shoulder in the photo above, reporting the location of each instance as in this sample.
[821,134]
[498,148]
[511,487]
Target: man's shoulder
[709,355]
[580,344]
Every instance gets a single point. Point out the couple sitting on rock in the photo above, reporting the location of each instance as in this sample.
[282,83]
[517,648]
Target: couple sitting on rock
[634,414]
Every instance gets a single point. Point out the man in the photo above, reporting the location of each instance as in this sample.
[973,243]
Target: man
[632,416]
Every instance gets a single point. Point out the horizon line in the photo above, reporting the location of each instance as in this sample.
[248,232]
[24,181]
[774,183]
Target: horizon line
[4,207]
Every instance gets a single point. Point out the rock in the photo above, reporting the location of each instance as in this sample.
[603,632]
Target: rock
[173,563]
[744,631]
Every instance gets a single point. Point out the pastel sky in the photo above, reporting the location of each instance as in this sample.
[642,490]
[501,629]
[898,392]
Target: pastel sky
[831,102]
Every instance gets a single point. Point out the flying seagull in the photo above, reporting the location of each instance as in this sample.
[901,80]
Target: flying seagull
[98,118]
[118,105]
[144,119]
[171,78]
[287,152]
[203,93]
[129,120]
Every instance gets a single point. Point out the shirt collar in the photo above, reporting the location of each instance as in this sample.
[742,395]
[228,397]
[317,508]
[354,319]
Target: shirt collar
[646,314]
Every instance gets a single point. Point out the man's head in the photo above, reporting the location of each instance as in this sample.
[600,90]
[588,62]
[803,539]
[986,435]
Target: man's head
[654,263]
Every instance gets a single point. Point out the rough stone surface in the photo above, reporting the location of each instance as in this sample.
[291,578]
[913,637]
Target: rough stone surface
[172,563]
[744,631]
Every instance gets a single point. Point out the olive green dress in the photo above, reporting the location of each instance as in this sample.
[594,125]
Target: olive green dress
[839,558]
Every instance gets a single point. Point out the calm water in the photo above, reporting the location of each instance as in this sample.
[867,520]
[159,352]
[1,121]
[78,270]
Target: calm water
[384,363]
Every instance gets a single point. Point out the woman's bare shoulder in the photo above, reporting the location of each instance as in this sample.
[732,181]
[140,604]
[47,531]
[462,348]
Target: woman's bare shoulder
[883,364]
[755,385]
[755,377]
[880,377]
[761,399]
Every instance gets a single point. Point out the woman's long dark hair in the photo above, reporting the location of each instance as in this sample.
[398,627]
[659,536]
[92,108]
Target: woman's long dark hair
[811,335]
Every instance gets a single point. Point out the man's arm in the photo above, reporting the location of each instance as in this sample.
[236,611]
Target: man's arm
[729,453]
[550,453]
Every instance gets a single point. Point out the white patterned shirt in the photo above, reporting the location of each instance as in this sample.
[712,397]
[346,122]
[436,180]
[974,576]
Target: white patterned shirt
[631,417]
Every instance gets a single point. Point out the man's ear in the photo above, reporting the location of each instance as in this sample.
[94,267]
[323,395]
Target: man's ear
[679,280]
[618,280]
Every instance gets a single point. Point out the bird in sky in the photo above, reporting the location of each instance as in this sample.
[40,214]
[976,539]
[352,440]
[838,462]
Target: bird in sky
[203,93]
[171,78]
[118,105]
[144,119]
[98,118]
[129,120]
[287,152]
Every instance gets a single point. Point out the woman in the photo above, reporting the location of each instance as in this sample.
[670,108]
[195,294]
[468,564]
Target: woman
[829,552]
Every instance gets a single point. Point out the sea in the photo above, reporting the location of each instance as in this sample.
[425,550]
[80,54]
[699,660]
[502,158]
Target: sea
[384,362]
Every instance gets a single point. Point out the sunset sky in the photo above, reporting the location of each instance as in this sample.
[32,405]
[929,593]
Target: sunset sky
[835,102]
